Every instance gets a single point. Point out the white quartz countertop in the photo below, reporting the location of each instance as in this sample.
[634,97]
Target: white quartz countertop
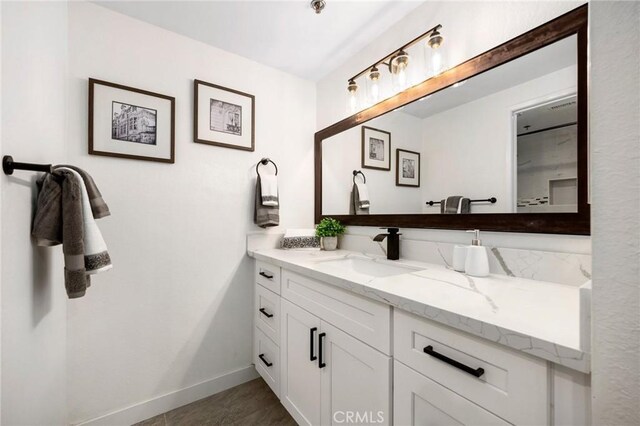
[539,318]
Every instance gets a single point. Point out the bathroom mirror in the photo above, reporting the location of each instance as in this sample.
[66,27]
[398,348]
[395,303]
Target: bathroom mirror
[496,143]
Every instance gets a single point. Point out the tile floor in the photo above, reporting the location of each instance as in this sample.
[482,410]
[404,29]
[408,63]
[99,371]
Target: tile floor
[251,403]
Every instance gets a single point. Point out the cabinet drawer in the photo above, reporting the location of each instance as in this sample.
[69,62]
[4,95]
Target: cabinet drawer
[364,319]
[514,386]
[267,360]
[268,276]
[267,312]
[421,401]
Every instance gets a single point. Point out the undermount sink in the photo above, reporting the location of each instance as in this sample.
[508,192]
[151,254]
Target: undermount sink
[372,267]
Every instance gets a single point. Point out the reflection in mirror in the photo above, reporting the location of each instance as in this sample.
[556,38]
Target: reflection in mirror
[509,133]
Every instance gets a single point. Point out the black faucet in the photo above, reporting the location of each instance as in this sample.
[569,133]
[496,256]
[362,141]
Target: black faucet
[393,242]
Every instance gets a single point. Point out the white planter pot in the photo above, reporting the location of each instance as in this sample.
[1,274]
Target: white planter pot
[329,243]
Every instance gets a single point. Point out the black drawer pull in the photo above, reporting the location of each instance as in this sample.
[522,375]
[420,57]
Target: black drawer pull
[321,363]
[267,363]
[267,276]
[312,352]
[476,372]
[265,313]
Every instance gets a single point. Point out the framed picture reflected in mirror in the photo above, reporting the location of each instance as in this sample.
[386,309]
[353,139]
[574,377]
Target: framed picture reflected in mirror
[407,168]
[376,149]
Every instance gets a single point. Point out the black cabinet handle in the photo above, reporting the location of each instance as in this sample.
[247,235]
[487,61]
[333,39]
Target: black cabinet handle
[267,276]
[265,313]
[476,372]
[312,352]
[267,363]
[321,363]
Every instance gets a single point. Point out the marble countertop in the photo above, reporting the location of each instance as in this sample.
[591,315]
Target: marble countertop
[539,318]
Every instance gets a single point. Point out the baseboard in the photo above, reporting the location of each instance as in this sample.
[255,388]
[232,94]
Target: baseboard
[161,404]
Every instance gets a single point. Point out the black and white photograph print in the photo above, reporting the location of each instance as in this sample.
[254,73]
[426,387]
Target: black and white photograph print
[407,168]
[376,149]
[132,123]
[223,117]
[127,122]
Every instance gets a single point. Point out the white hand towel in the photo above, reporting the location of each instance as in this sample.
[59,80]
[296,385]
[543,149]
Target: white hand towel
[96,256]
[269,190]
[363,193]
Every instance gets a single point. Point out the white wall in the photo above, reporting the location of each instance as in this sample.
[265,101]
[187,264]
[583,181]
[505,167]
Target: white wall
[341,154]
[615,223]
[34,306]
[469,28]
[176,308]
[468,150]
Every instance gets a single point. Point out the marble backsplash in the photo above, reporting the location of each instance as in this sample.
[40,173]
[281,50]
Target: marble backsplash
[562,268]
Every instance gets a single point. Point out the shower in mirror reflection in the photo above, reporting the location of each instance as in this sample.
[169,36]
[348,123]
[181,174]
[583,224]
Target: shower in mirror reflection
[547,169]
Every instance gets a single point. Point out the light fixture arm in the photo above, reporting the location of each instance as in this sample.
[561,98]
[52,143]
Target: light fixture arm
[395,52]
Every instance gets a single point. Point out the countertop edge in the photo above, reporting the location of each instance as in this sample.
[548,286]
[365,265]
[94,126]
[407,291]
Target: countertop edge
[569,357]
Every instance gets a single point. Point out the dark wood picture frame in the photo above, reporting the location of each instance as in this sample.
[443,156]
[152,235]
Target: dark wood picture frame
[171,99]
[419,166]
[363,148]
[196,136]
[571,23]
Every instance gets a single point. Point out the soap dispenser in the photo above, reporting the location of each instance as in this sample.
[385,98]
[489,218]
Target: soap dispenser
[477,263]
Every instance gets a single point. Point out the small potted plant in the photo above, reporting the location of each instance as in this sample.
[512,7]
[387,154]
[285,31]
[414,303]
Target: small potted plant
[328,230]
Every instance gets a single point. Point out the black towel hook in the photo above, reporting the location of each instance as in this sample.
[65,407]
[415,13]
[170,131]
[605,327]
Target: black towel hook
[359,172]
[264,162]
[8,166]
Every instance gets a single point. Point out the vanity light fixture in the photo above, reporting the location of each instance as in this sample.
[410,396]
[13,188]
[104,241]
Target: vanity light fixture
[397,62]
[435,39]
[374,76]
[318,5]
[353,99]
[460,83]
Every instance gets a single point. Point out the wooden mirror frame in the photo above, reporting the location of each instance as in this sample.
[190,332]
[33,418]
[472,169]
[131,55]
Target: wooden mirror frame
[571,23]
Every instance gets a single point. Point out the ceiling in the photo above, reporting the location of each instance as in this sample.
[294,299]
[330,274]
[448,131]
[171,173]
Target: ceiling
[286,35]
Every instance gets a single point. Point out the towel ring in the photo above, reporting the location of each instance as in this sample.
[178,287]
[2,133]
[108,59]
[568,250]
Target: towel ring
[359,172]
[264,162]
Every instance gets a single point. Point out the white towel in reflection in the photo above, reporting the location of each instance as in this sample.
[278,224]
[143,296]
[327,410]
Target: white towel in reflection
[363,195]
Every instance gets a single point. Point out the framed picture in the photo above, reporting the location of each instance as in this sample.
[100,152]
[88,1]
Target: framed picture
[376,149]
[223,117]
[407,168]
[126,122]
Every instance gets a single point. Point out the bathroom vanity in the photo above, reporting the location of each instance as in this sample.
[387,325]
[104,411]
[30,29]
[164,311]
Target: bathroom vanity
[345,334]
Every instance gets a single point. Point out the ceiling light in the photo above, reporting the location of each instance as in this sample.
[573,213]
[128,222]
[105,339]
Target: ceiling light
[318,5]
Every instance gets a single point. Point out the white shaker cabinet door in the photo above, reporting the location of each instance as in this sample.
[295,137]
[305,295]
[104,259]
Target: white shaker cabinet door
[300,373]
[356,380]
[419,401]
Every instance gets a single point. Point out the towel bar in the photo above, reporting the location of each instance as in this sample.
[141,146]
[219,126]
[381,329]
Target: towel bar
[491,200]
[8,166]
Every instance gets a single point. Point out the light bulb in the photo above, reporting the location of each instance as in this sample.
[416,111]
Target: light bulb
[402,77]
[374,77]
[352,88]
[436,62]
[353,102]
